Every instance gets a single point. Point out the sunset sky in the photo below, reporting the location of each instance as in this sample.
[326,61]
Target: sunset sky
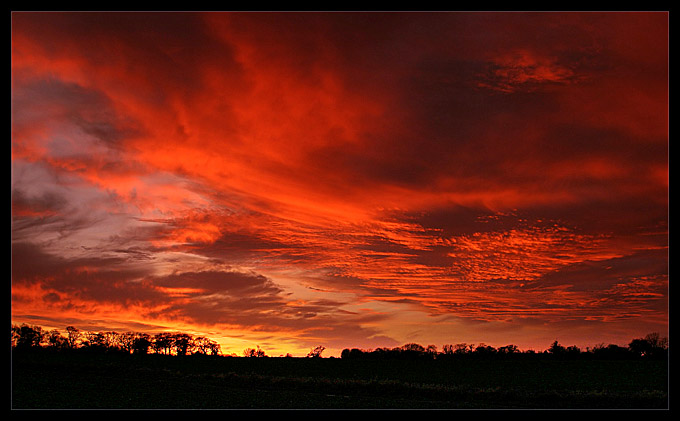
[351,180]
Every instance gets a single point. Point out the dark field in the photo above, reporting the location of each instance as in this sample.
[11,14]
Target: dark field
[111,381]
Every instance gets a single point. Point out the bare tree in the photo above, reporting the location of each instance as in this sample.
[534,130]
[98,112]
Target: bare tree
[656,341]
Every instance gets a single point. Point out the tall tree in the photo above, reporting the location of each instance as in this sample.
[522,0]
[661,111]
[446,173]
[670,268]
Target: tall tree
[26,336]
[182,343]
[206,346]
[162,343]
[73,335]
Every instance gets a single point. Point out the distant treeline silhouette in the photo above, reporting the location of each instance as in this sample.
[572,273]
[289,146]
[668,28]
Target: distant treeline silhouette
[166,343]
[27,337]
[651,346]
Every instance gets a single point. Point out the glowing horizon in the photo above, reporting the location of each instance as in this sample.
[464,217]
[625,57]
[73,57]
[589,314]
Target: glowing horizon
[348,180]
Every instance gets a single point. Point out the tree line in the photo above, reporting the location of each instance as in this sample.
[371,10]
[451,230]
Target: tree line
[166,343]
[27,337]
[177,343]
[651,346]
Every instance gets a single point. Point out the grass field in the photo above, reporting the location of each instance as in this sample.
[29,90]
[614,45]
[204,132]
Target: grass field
[109,381]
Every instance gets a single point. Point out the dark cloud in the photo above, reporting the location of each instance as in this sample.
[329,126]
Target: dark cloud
[41,205]
[173,46]
[461,220]
[244,245]
[60,103]
[253,301]
[104,279]
[237,283]
[31,263]
[26,206]
[603,275]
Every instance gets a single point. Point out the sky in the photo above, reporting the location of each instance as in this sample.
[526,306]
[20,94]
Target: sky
[351,180]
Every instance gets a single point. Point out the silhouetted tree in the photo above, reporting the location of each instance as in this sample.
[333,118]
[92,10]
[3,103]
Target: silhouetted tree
[126,341]
[113,341]
[182,343]
[381,353]
[611,351]
[95,342]
[353,353]
[73,335]
[657,341]
[652,345]
[316,352]
[413,347]
[215,348]
[412,351]
[55,340]
[463,348]
[556,349]
[250,352]
[508,349]
[640,347]
[205,346]
[485,350]
[162,343]
[431,351]
[141,343]
[573,351]
[26,337]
